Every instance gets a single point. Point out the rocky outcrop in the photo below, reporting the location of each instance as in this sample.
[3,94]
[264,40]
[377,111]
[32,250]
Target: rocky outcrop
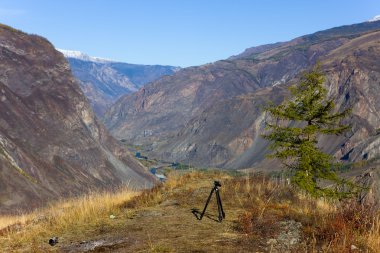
[51,144]
[370,181]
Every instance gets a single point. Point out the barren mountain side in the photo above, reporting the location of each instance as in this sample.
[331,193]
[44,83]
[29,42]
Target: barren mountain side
[229,136]
[199,115]
[224,132]
[158,110]
[51,144]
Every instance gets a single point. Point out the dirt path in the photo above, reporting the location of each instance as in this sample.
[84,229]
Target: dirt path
[168,229]
[172,227]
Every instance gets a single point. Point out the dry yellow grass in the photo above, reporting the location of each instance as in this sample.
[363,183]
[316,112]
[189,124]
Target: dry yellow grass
[6,220]
[327,226]
[72,217]
[373,237]
[159,220]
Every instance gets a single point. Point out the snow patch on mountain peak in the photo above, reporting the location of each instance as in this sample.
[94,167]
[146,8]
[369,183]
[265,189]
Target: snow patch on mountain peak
[375,18]
[82,56]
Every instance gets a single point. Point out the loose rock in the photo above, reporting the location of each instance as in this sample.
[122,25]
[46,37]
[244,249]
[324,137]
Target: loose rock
[53,241]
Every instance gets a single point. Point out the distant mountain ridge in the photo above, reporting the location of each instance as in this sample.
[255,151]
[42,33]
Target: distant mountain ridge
[211,115]
[103,81]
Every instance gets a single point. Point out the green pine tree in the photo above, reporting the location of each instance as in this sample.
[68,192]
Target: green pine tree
[296,125]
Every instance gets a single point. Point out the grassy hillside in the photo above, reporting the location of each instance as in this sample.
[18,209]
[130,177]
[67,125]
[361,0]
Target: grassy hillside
[262,215]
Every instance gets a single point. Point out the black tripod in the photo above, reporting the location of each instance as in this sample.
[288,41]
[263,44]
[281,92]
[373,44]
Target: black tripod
[221,213]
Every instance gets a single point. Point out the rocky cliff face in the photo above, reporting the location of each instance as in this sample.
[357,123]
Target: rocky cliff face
[104,81]
[226,132]
[352,75]
[370,179]
[211,115]
[51,145]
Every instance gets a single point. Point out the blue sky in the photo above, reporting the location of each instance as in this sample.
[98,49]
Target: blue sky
[177,32]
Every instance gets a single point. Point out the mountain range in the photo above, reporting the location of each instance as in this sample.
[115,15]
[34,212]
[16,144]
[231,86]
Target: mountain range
[103,81]
[211,115]
[51,144]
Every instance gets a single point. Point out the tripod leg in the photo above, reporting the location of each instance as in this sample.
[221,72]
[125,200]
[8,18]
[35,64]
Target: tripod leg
[222,215]
[208,201]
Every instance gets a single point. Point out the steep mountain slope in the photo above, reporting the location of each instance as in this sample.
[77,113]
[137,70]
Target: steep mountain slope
[205,115]
[104,81]
[51,145]
[227,134]
[224,132]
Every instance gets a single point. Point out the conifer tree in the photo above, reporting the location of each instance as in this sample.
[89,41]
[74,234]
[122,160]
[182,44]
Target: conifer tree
[294,130]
